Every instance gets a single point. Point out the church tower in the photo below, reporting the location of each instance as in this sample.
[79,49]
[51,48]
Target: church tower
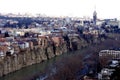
[94,17]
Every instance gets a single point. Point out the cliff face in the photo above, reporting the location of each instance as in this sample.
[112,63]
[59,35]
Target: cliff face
[38,53]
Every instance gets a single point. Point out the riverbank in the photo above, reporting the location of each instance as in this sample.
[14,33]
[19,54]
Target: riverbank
[85,63]
[27,73]
[39,53]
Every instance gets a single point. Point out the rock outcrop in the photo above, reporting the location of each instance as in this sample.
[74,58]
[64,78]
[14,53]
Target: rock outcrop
[39,53]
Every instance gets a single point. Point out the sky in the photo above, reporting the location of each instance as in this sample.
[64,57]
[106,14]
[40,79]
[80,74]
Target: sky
[73,8]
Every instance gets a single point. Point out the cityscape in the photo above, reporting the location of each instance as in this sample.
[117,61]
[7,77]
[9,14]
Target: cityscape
[64,47]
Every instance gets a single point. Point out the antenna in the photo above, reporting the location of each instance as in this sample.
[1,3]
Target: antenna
[95,8]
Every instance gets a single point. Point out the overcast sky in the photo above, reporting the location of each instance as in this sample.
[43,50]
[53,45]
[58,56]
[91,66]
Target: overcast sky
[80,8]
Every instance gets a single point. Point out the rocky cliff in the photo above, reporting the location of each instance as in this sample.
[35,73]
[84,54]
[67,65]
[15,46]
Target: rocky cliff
[39,53]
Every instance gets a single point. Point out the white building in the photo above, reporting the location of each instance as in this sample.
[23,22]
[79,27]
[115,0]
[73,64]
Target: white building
[110,53]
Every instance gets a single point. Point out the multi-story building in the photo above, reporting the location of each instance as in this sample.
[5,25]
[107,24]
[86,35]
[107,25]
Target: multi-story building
[113,54]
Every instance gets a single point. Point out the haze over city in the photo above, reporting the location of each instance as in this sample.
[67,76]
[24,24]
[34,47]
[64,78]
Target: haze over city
[73,8]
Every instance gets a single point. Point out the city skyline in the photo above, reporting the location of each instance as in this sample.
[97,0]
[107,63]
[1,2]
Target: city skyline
[72,8]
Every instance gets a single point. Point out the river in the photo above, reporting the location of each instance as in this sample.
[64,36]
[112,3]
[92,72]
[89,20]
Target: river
[32,70]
